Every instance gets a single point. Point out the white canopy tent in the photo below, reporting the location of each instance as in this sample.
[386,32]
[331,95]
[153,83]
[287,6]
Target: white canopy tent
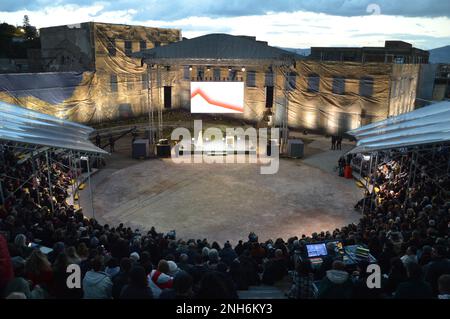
[21,125]
[427,125]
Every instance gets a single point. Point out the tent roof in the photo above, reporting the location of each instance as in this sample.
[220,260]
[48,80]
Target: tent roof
[427,125]
[217,46]
[22,125]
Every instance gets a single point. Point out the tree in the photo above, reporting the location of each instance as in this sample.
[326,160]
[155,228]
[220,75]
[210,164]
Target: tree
[30,31]
[26,21]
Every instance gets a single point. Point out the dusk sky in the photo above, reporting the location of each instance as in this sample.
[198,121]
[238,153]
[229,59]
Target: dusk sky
[286,23]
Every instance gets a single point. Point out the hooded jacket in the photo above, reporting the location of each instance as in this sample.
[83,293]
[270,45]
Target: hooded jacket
[97,285]
[335,285]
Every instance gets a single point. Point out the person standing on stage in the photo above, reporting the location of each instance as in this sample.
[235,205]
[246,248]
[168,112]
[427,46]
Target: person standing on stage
[339,142]
[98,140]
[333,142]
[111,143]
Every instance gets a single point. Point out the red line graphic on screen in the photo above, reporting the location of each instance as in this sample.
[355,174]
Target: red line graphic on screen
[216,103]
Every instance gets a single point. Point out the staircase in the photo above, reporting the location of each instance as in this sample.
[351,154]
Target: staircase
[261,292]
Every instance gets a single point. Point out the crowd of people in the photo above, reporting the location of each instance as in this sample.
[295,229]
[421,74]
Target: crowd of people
[405,229]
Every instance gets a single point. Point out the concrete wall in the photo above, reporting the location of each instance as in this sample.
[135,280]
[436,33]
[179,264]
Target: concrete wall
[68,48]
[403,88]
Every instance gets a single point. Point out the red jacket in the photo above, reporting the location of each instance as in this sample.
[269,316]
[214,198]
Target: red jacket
[6,268]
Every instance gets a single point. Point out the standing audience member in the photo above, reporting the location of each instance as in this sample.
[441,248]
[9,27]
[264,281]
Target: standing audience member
[336,284]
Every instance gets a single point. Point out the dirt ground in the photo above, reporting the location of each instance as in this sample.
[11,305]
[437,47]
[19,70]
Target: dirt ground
[225,201]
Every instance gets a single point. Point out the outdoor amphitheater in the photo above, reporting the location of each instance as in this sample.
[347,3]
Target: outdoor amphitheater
[220,167]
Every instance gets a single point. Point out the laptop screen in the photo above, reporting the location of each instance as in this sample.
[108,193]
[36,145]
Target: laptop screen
[316,250]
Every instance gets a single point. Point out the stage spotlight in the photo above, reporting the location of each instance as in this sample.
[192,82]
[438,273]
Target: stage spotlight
[190,68]
[230,68]
[208,68]
[243,69]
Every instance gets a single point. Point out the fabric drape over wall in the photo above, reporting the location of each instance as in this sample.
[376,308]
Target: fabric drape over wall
[331,97]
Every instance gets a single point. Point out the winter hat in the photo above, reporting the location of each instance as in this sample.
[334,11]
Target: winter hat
[173,268]
[135,256]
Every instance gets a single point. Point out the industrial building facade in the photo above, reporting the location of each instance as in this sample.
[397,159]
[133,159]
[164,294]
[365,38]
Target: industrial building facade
[89,75]
[329,97]
[399,52]
[103,72]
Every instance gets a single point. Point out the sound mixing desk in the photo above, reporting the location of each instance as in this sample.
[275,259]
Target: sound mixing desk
[350,255]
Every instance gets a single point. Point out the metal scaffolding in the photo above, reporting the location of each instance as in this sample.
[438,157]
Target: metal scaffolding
[414,154]
[33,155]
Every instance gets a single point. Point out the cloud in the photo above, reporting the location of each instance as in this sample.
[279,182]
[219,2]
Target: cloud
[178,9]
[305,29]
[299,29]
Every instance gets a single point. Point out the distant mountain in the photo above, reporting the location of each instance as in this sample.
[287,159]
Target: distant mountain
[304,52]
[440,55]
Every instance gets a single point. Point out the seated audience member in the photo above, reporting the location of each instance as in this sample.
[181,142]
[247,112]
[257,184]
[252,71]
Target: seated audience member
[72,256]
[238,275]
[214,285]
[60,290]
[410,256]
[183,263]
[122,278]
[173,268]
[303,280]
[138,287]
[182,287]
[439,265]
[227,254]
[275,269]
[249,268]
[19,284]
[198,269]
[444,287]
[146,262]
[396,276]
[96,283]
[336,284]
[6,267]
[112,267]
[425,257]
[360,287]
[38,270]
[213,259]
[414,287]
[20,247]
[160,278]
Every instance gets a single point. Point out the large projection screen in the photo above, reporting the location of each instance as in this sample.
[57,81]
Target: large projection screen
[217,97]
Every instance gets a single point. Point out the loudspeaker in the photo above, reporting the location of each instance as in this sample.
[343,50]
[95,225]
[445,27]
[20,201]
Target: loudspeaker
[141,149]
[163,150]
[295,148]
